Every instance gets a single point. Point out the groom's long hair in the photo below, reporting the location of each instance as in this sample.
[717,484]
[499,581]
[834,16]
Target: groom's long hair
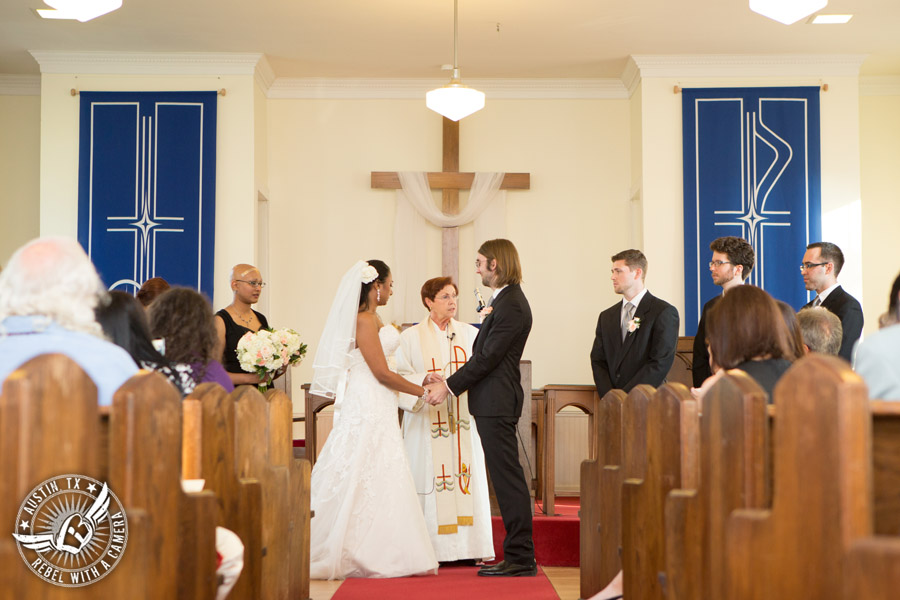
[509,270]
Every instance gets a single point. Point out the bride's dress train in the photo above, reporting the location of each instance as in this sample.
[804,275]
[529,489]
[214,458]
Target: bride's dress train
[368,521]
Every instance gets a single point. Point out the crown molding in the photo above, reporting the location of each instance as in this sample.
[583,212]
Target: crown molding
[744,65]
[879,86]
[147,63]
[20,85]
[263,74]
[394,89]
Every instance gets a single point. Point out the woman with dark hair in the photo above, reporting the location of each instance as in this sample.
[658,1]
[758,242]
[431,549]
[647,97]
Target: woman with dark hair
[368,519]
[794,334]
[746,331]
[125,324]
[877,357]
[152,288]
[184,319]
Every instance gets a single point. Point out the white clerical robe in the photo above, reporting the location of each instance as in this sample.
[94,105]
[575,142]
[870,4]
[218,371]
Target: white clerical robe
[469,542]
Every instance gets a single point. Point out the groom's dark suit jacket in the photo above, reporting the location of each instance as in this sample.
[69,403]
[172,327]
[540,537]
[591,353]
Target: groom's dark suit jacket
[491,375]
[647,353]
[848,310]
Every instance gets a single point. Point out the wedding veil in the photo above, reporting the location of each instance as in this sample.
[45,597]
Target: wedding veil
[338,337]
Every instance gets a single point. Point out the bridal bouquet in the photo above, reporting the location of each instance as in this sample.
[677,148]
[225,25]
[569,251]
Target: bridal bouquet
[268,351]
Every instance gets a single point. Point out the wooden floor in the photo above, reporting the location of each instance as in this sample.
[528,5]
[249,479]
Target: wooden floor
[564,580]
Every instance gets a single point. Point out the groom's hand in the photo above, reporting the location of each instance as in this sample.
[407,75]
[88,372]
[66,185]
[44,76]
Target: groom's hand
[437,393]
[432,378]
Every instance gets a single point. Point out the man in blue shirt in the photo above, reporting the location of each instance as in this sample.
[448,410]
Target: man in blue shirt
[48,292]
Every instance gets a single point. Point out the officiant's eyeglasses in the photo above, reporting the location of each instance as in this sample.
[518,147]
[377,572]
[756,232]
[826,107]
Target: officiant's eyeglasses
[718,263]
[259,284]
[807,265]
[446,297]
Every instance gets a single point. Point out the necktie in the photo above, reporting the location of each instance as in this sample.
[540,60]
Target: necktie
[626,318]
[817,301]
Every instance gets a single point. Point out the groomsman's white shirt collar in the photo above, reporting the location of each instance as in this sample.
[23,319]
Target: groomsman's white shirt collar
[635,301]
[825,293]
[497,291]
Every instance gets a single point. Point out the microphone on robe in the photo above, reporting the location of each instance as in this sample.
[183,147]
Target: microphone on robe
[452,336]
[481,303]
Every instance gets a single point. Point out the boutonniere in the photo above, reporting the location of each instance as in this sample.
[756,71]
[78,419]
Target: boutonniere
[634,325]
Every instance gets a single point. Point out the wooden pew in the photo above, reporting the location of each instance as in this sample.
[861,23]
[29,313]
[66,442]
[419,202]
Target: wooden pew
[209,454]
[252,459]
[145,438]
[281,454]
[822,482]
[50,425]
[872,569]
[621,455]
[672,435]
[733,449]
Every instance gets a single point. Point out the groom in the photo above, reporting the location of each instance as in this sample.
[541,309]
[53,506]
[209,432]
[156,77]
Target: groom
[492,378]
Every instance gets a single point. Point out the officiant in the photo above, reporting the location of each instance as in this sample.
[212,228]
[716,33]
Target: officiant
[442,443]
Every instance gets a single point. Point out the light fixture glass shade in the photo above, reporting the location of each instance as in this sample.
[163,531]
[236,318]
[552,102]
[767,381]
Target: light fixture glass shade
[454,101]
[787,11]
[84,10]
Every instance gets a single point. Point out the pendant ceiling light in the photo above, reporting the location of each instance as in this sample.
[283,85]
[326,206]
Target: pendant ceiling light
[455,100]
[787,11]
[84,10]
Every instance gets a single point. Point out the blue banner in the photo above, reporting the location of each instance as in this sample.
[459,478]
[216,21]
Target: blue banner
[146,187]
[751,170]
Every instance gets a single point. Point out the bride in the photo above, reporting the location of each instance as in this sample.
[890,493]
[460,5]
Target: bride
[368,522]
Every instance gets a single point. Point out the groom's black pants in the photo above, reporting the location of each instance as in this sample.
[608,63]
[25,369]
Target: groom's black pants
[498,438]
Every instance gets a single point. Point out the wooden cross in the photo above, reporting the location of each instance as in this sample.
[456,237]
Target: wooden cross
[450,181]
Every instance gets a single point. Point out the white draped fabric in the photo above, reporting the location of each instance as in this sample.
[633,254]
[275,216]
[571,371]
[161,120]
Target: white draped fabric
[486,206]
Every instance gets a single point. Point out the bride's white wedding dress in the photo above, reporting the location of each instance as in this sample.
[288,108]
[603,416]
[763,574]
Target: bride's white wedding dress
[368,521]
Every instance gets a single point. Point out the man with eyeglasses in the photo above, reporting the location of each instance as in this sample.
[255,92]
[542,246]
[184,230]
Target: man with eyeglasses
[732,261]
[821,266]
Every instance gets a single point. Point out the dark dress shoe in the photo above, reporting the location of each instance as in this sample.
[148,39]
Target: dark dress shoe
[508,569]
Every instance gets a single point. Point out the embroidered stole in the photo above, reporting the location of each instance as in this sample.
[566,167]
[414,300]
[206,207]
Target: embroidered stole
[451,435]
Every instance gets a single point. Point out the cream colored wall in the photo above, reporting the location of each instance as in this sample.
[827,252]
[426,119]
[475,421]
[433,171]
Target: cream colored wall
[662,180]
[235,182]
[325,216]
[20,131]
[880,160]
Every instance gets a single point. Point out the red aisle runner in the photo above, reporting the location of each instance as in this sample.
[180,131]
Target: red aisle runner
[451,583]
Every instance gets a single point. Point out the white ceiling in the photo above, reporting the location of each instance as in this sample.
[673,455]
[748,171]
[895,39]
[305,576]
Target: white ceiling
[413,38]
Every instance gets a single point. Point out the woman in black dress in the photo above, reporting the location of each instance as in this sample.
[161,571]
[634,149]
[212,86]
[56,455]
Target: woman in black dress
[236,319]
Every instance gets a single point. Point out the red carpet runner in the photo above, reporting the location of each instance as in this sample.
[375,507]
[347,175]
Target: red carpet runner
[556,538]
[451,583]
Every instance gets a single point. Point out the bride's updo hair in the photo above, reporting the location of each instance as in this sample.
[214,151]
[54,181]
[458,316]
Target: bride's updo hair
[383,272]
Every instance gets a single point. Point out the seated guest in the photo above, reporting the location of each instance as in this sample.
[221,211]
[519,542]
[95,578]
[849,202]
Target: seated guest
[877,355]
[125,324]
[48,292]
[184,319]
[821,329]
[236,319]
[152,288]
[795,336]
[746,331]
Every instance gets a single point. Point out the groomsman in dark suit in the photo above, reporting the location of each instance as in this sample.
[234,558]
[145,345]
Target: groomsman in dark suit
[732,261]
[636,338]
[493,381]
[821,266]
